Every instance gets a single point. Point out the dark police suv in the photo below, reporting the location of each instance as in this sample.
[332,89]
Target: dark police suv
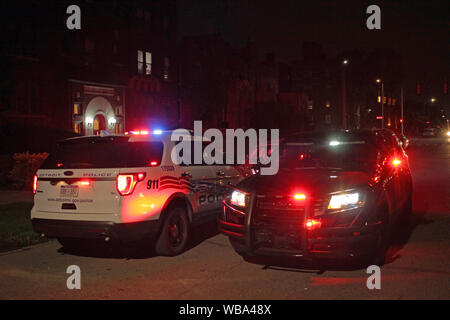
[336,196]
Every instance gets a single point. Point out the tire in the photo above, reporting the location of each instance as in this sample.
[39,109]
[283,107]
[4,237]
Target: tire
[71,243]
[175,233]
[382,243]
[406,214]
[237,246]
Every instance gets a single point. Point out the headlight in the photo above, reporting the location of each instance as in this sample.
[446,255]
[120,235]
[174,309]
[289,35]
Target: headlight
[238,198]
[345,201]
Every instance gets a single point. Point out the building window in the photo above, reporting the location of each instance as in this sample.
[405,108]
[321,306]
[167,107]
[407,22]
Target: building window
[77,128]
[144,65]
[166,68]
[148,63]
[140,59]
[76,109]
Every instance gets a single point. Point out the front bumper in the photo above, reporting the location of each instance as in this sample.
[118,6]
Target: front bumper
[96,229]
[291,239]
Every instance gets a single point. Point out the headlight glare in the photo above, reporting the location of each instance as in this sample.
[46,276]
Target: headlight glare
[238,198]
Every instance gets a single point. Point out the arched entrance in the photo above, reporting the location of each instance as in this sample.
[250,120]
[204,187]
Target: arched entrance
[99,124]
[99,116]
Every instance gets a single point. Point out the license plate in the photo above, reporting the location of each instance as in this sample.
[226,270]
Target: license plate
[69,191]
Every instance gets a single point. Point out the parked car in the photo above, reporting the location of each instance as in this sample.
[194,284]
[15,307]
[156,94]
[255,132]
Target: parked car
[126,187]
[429,132]
[336,196]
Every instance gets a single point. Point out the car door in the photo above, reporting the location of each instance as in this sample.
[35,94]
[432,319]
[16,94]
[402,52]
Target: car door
[203,192]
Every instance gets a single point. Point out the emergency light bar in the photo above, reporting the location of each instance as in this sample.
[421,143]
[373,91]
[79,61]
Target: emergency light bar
[143,132]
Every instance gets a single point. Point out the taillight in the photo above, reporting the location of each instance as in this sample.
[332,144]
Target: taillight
[300,196]
[396,162]
[312,224]
[35,184]
[125,183]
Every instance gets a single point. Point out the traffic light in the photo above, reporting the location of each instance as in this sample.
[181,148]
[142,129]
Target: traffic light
[418,88]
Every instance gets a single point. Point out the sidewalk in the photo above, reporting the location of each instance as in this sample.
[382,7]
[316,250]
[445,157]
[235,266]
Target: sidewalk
[11,196]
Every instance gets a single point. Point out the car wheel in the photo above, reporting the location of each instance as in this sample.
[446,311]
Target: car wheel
[382,241]
[71,243]
[237,246]
[406,214]
[175,233]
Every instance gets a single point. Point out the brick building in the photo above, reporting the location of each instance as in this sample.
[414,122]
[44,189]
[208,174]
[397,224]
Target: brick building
[119,71]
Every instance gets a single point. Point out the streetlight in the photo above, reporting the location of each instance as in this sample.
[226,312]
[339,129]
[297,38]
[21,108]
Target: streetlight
[379,80]
[432,100]
[344,111]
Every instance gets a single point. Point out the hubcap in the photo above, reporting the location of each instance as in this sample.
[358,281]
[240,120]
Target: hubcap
[175,231]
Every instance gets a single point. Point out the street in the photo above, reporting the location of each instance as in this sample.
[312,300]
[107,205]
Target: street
[417,267]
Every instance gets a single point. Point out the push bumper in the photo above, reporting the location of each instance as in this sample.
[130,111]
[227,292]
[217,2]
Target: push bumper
[96,229]
[325,243]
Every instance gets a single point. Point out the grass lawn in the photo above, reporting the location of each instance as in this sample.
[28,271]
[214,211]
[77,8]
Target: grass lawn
[15,227]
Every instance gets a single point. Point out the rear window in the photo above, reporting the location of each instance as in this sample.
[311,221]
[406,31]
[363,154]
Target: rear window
[103,154]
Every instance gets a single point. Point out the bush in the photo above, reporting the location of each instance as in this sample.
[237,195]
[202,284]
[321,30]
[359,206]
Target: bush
[24,168]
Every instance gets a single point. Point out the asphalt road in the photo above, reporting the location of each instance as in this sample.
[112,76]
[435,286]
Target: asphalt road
[418,266]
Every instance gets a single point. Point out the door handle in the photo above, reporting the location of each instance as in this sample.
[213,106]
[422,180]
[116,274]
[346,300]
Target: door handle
[186,175]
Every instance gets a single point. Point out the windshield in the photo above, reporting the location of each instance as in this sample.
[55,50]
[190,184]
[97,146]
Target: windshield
[103,154]
[348,156]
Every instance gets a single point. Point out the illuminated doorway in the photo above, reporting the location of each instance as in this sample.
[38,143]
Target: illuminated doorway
[99,124]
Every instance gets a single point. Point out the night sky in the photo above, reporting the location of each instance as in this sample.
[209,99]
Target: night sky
[418,30]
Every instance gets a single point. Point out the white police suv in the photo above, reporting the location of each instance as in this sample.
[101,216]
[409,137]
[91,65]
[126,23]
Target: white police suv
[126,187]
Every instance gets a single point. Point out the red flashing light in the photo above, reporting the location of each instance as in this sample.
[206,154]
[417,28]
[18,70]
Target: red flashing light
[153,163]
[312,224]
[299,196]
[396,162]
[85,183]
[35,184]
[301,156]
[138,132]
[379,117]
[125,183]
[59,164]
